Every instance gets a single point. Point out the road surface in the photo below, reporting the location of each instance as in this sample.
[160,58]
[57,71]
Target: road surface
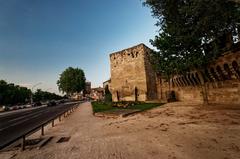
[16,124]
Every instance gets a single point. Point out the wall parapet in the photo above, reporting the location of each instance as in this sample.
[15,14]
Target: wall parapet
[218,83]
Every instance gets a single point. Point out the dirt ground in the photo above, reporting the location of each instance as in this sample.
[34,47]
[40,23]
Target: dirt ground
[173,131]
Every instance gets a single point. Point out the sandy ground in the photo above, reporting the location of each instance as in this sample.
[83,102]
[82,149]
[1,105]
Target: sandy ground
[173,131]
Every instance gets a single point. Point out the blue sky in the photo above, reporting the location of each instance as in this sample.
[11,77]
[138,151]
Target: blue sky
[40,38]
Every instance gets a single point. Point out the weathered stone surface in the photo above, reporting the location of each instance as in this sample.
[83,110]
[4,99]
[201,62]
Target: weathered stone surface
[132,78]
[221,80]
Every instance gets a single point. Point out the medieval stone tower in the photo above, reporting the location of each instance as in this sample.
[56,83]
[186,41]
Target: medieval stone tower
[132,76]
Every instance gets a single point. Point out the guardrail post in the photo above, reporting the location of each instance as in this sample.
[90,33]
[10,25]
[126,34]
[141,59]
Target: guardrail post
[23,143]
[42,130]
[53,123]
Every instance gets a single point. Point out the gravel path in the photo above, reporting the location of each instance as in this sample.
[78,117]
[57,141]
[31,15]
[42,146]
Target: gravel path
[174,131]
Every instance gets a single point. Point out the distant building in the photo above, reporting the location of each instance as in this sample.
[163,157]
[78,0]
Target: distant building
[97,93]
[82,94]
[88,88]
[107,84]
[77,96]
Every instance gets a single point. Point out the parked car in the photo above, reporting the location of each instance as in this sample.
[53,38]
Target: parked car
[5,108]
[61,101]
[36,104]
[23,106]
[20,107]
[15,108]
[28,105]
[51,103]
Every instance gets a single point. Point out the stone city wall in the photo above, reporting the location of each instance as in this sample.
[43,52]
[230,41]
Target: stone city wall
[219,83]
[133,79]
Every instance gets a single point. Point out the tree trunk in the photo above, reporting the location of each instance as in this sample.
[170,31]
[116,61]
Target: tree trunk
[169,89]
[205,94]
[169,85]
[203,85]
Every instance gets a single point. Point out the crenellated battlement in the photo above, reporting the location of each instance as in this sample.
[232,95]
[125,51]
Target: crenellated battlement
[133,78]
[132,54]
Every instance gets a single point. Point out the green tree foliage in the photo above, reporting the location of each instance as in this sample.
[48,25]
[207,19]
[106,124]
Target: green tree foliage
[108,95]
[40,95]
[11,94]
[190,32]
[72,80]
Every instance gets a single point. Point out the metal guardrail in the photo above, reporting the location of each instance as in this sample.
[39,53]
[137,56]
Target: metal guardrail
[40,126]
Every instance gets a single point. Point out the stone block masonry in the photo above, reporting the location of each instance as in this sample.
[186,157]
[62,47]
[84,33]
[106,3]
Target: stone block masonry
[221,81]
[132,77]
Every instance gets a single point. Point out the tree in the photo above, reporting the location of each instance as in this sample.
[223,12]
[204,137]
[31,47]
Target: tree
[11,94]
[189,27]
[72,80]
[3,89]
[108,95]
[191,33]
[40,95]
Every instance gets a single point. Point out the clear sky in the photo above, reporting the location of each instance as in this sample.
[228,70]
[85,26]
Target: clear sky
[40,38]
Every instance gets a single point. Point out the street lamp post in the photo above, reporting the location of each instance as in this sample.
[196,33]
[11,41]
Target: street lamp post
[32,91]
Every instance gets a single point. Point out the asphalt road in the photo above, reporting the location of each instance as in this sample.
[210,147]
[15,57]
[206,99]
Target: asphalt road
[17,124]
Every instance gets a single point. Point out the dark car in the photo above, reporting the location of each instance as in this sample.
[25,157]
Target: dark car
[61,101]
[36,104]
[51,103]
[15,108]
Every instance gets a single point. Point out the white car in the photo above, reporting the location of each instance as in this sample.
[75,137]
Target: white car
[5,108]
